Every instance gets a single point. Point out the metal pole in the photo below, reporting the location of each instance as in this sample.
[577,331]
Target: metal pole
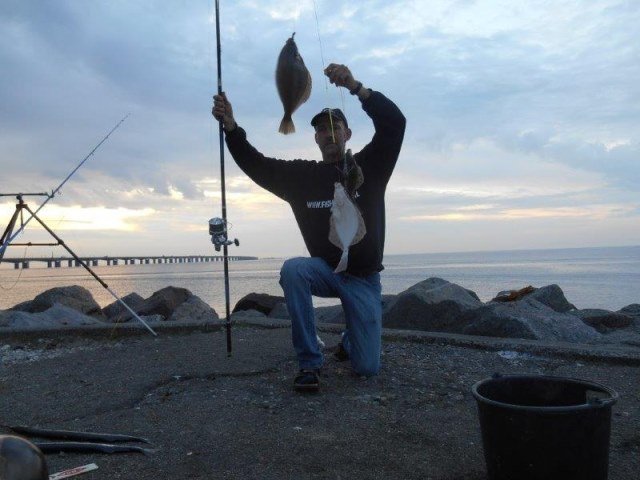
[225,250]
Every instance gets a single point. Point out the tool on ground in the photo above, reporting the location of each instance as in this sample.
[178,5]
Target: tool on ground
[74,441]
[72,472]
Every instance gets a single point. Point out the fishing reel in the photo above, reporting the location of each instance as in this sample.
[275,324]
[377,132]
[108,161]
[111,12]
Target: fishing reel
[218,232]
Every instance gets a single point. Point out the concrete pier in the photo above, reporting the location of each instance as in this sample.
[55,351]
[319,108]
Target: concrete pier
[56,262]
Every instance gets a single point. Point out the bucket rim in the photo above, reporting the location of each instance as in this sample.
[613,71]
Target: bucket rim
[601,403]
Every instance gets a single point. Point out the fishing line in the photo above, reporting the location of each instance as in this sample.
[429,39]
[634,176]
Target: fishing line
[326,81]
[315,11]
[212,75]
[326,86]
[57,189]
[19,275]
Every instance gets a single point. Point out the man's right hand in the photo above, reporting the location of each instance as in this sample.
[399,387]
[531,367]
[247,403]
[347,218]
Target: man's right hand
[223,112]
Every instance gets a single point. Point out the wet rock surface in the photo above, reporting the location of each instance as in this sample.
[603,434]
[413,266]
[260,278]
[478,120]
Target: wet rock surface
[214,416]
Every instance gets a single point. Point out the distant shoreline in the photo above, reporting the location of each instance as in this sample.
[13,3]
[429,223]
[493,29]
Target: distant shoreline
[9,260]
[594,277]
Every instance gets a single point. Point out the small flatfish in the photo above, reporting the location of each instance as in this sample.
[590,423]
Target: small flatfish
[293,81]
[346,225]
[352,174]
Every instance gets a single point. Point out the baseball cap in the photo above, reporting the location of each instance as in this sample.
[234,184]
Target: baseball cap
[334,112]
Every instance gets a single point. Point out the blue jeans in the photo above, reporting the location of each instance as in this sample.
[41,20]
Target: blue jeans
[361,299]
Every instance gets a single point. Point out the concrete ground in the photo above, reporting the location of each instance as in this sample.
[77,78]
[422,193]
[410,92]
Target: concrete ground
[212,416]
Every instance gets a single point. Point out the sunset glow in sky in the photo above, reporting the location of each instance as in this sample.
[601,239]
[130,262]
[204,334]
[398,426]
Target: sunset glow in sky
[522,119]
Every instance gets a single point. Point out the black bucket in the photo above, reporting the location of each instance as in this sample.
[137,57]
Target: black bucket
[537,427]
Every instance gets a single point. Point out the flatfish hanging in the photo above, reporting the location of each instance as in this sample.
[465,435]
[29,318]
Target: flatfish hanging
[346,225]
[293,81]
[352,174]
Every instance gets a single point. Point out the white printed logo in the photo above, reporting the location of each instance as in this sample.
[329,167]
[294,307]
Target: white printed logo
[324,203]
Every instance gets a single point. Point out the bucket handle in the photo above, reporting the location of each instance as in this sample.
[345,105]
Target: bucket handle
[599,398]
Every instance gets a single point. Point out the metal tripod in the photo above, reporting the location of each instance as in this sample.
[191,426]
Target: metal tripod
[20,206]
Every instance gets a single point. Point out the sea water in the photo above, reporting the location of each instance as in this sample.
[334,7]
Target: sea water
[606,278]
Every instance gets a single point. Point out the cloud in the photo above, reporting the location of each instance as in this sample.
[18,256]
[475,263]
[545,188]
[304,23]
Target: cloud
[520,109]
[594,212]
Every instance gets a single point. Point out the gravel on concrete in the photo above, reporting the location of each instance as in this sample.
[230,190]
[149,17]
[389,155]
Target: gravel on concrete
[214,416]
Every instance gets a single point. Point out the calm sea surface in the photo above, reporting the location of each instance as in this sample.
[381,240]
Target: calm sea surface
[590,277]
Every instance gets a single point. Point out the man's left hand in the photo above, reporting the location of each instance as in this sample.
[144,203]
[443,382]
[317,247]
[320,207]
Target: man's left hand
[340,76]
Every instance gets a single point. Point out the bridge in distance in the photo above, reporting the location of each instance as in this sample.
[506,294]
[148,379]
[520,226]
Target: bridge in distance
[57,262]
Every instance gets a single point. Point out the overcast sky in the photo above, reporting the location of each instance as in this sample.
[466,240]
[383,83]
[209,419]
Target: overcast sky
[523,118]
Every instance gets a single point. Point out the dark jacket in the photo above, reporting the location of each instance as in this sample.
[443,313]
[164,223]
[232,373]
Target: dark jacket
[308,186]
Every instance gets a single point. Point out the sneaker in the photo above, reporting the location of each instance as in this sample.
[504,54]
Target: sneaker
[308,380]
[340,354]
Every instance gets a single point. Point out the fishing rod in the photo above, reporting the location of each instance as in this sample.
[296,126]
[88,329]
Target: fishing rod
[218,226]
[55,191]
[8,236]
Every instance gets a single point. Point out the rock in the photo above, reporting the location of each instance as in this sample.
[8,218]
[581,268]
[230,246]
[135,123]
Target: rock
[335,313]
[22,307]
[56,316]
[527,318]
[133,300]
[163,302]
[241,314]
[621,337]
[473,294]
[389,301]
[513,295]
[261,302]
[73,296]
[434,305]
[604,321]
[280,311]
[194,310]
[632,310]
[329,314]
[551,295]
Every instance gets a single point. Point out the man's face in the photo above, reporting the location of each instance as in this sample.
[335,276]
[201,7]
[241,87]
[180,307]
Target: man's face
[331,144]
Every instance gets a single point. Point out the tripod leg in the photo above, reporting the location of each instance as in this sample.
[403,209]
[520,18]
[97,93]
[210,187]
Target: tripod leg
[87,268]
[8,231]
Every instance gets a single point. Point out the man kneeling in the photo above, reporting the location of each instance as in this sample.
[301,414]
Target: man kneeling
[308,187]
